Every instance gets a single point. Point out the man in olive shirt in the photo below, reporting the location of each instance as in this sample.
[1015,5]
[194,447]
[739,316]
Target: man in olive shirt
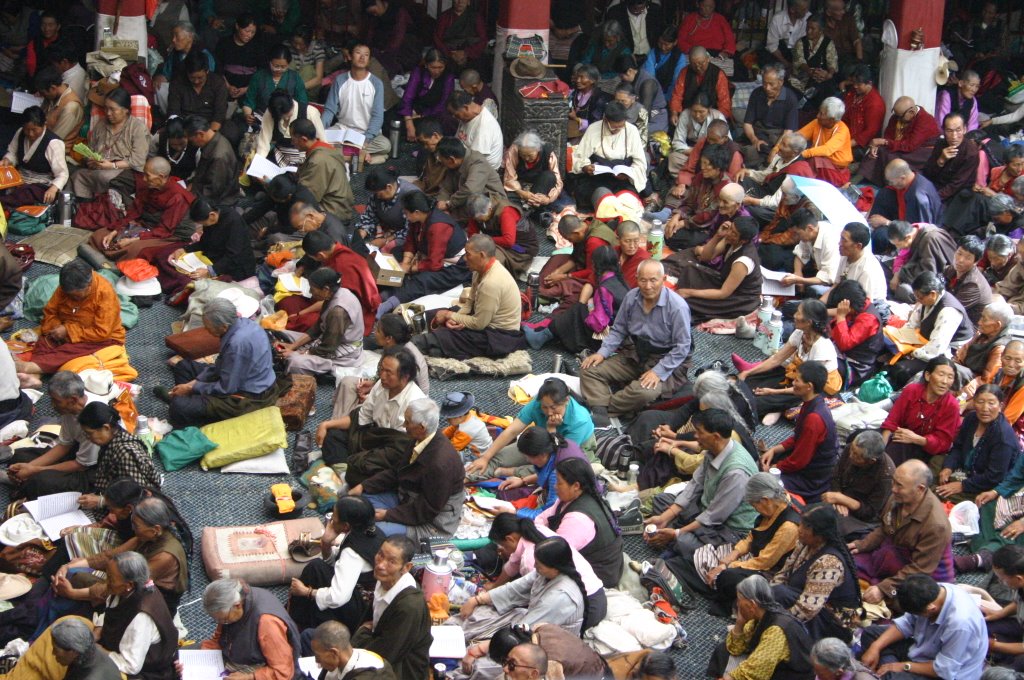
[216,175]
[488,322]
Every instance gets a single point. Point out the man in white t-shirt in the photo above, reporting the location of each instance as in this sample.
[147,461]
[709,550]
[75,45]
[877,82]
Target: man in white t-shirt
[356,102]
[478,129]
[785,29]
[815,258]
[857,262]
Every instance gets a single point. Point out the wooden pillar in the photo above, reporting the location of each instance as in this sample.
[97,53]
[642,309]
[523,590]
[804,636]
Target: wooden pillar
[906,71]
[523,18]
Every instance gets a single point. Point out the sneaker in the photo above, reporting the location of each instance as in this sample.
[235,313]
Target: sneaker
[162,393]
[631,521]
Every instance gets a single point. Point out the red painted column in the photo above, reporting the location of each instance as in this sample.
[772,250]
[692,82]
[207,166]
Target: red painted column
[907,71]
[522,18]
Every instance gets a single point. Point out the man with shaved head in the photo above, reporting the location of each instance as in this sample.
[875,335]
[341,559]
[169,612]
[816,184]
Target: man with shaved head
[646,352]
[906,195]
[914,537]
[910,134]
[158,217]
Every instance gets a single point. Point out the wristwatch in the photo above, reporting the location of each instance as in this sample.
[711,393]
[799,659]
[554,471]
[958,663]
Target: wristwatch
[906,667]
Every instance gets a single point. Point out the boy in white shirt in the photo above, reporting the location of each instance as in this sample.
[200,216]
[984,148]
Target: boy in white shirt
[465,429]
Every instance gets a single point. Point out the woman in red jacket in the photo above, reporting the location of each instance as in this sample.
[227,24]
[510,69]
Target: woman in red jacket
[856,331]
[925,418]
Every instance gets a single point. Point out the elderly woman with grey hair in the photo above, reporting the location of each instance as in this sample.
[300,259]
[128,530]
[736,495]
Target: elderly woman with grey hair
[1005,213]
[833,660]
[255,635]
[423,496]
[1000,257]
[670,432]
[514,238]
[606,46]
[75,647]
[763,550]
[765,642]
[861,485]
[586,102]
[241,380]
[532,176]
[829,143]
[980,358]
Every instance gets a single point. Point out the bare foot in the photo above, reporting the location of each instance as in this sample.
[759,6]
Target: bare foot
[5,323]
[173,361]
[28,381]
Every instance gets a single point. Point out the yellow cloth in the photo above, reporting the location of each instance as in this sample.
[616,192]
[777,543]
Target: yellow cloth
[113,358]
[760,662]
[833,143]
[904,341]
[39,662]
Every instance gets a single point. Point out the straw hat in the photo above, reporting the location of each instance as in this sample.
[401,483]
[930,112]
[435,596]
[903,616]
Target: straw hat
[99,383]
[20,529]
[13,585]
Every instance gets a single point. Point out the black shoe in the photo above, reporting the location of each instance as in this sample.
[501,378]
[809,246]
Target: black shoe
[163,394]
[599,414]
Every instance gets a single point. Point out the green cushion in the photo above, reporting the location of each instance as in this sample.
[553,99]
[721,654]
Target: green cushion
[249,436]
[181,447]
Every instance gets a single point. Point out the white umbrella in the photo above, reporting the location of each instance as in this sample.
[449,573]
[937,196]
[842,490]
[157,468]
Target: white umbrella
[832,203]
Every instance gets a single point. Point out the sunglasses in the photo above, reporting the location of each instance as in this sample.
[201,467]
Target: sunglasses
[512,665]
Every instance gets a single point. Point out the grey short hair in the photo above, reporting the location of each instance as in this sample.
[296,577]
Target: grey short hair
[763,486]
[222,595]
[66,385]
[656,264]
[833,654]
[778,69]
[1000,673]
[73,635]
[870,443]
[1000,203]
[1001,311]
[756,589]
[590,70]
[1018,186]
[185,26]
[732,192]
[332,635]
[698,52]
[220,312]
[897,168]
[159,165]
[612,27]
[529,140]
[425,412]
[833,107]
[797,142]
[479,205]
[999,244]
[710,381]
[133,567]
[482,243]
[627,227]
[969,74]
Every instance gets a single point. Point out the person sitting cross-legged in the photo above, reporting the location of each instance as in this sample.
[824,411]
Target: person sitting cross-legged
[467,173]
[82,317]
[332,648]
[423,495]
[399,631]
[765,642]
[941,634]
[488,322]
[657,322]
[501,221]
[711,509]
[255,635]
[833,660]
[914,537]
[240,381]
[861,485]
[809,456]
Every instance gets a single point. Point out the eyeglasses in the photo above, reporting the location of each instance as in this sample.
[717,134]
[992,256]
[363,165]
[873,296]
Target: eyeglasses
[512,665]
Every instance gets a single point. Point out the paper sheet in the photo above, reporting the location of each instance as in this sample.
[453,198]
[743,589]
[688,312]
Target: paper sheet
[56,512]
[23,100]
[309,666]
[201,664]
[772,283]
[346,136]
[261,168]
[449,642]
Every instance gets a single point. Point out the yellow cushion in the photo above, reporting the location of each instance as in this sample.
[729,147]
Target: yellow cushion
[248,436]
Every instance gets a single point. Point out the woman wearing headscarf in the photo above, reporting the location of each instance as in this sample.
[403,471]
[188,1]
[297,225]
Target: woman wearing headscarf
[331,587]
[818,582]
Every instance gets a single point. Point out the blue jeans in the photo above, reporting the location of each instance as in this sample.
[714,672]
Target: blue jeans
[386,501]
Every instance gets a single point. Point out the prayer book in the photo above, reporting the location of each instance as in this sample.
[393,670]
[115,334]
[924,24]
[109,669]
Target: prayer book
[190,262]
[772,283]
[617,170]
[261,168]
[201,664]
[56,512]
[23,100]
[449,642]
[346,136]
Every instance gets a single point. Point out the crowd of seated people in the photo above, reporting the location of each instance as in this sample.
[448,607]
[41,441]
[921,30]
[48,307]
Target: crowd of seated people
[223,170]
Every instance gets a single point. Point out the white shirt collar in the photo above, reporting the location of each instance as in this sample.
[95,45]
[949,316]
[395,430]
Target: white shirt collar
[407,581]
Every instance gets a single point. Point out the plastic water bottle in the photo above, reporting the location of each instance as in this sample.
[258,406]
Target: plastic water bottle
[143,432]
[774,341]
[634,474]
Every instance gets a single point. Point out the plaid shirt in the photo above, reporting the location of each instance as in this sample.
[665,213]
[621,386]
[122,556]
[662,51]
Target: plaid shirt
[125,456]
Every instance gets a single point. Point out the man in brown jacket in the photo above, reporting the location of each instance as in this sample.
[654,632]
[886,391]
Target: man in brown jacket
[914,537]
[469,173]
